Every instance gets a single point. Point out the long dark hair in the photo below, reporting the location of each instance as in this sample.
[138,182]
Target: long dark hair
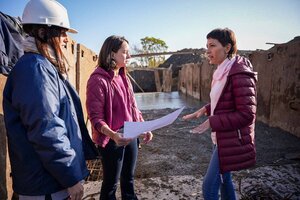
[224,36]
[51,38]
[111,44]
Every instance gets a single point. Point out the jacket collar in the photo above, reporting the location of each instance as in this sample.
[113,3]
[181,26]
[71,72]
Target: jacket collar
[108,74]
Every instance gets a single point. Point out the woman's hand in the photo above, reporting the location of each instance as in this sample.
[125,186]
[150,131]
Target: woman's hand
[196,114]
[201,128]
[120,140]
[115,136]
[147,137]
[76,191]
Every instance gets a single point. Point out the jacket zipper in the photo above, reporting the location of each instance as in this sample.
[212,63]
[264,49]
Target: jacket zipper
[221,177]
[240,136]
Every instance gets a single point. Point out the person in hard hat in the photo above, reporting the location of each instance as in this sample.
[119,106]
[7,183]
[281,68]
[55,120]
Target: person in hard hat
[42,112]
[231,114]
[110,102]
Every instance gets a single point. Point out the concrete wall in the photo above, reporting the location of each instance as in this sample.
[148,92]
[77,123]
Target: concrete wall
[167,81]
[144,79]
[151,79]
[71,54]
[195,80]
[278,84]
[5,180]
[86,63]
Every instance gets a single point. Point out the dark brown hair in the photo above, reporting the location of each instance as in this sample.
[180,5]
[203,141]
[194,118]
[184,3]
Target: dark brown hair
[111,44]
[224,36]
[51,39]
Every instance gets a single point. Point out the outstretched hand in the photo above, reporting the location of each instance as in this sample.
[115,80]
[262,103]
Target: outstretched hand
[201,128]
[196,114]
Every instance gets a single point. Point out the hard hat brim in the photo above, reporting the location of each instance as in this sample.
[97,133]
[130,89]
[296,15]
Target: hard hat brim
[71,30]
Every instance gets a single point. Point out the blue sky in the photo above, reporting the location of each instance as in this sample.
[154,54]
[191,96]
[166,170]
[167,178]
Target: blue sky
[180,23]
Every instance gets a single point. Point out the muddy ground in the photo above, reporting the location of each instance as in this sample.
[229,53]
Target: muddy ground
[172,166]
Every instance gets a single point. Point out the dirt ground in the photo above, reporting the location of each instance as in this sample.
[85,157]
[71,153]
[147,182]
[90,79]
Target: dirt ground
[172,166]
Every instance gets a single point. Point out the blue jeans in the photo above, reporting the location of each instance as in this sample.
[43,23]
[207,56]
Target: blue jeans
[212,181]
[118,162]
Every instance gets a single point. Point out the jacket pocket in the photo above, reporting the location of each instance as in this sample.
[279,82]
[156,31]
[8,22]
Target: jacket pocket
[239,134]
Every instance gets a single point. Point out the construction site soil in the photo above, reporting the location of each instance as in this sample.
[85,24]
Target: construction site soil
[172,166]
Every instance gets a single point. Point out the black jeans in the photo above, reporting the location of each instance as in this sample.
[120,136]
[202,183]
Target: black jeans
[118,163]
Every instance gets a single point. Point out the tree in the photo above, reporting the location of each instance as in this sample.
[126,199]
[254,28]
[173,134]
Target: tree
[152,45]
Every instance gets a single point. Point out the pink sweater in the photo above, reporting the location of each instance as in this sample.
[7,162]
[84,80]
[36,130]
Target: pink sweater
[110,101]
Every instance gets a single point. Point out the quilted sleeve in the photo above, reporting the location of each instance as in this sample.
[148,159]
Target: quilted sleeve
[244,104]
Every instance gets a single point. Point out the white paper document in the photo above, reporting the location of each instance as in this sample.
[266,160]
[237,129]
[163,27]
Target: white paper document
[134,129]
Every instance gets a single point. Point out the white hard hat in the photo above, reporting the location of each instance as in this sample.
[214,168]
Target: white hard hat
[48,12]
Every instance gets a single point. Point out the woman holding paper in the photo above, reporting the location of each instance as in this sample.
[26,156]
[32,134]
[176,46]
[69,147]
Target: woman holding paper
[231,114]
[111,102]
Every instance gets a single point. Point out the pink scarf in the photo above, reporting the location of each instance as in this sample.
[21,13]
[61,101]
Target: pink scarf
[217,86]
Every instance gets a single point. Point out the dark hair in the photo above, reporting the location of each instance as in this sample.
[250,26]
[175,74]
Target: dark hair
[224,36]
[111,44]
[51,39]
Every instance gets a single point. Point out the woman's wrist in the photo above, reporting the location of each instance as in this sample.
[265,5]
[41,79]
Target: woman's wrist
[203,110]
[107,131]
[112,135]
[200,112]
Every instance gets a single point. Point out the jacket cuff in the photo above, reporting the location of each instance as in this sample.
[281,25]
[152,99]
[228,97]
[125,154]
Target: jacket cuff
[207,107]
[99,125]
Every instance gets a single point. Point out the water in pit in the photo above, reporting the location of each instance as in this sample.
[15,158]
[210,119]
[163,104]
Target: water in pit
[161,100]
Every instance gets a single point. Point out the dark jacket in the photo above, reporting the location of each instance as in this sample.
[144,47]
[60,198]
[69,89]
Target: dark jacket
[234,118]
[11,37]
[89,148]
[44,136]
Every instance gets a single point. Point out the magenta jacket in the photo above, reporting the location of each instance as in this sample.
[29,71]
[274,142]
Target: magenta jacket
[100,93]
[234,118]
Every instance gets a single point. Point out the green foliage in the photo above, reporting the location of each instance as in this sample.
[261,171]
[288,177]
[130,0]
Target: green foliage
[153,45]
